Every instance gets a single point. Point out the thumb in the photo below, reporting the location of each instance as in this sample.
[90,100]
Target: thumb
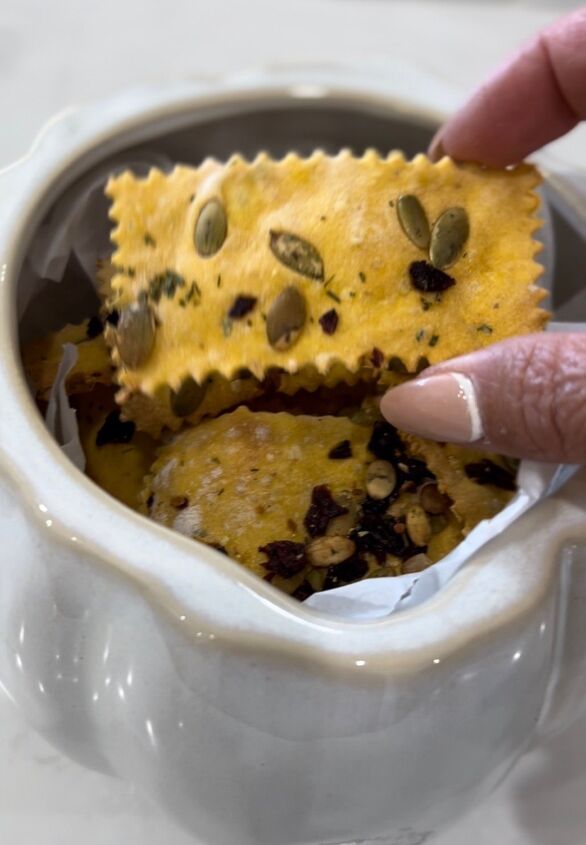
[524,397]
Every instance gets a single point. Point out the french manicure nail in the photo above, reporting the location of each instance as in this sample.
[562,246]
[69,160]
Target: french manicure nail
[436,149]
[442,407]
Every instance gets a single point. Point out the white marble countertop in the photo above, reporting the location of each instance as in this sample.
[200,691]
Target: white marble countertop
[68,51]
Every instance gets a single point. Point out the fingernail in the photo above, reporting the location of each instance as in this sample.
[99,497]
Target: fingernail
[436,148]
[442,407]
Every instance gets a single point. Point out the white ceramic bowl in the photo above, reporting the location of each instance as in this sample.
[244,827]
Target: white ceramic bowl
[254,720]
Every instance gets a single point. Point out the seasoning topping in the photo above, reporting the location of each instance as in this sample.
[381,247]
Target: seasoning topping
[242,306]
[487,472]
[298,254]
[286,318]
[429,279]
[114,430]
[211,228]
[329,321]
[323,508]
[340,451]
[284,557]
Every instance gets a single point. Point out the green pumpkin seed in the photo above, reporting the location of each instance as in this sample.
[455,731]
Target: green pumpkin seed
[286,318]
[449,234]
[211,228]
[297,254]
[413,220]
[135,334]
[188,398]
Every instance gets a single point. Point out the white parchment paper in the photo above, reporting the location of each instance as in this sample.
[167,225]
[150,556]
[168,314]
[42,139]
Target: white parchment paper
[79,225]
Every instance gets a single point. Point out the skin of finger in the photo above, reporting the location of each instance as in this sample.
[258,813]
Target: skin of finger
[537,96]
[531,394]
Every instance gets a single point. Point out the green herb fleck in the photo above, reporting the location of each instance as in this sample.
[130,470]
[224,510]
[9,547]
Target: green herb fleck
[227,327]
[425,304]
[420,335]
[331,279]
[165,284]
[362,276]
[333,296]
[130,272]
[149,240]
[392,203]
[434,339]
[323,217]
[191,198]
[484,329]
[352,294]
[219,281]
[193,294]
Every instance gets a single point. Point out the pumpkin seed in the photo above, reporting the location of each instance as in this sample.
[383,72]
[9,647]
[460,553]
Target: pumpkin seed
[449,234]
[418,526]
[381,479]
[432,500]
[135,334]
[329,551]
[297,254]
[286,318]
[188,398]
[211,228]
[416,563]
[413,220]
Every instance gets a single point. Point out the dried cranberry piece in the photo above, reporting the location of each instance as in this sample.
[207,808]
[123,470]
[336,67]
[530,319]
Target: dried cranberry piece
[385,442]
[329,321]
[285,558]
[322,508]
[114,430]
[427,278]
[342,450]
[242,306]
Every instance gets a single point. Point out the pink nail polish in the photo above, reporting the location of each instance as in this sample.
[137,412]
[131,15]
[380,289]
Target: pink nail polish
[442,407]
[436,149]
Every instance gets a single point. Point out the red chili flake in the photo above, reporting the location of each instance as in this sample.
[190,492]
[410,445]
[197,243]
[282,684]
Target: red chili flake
[94,327]
[242,306]
[487,472]
[114,430]
[329,321]
[323,508]
[376,358]
[285,558]
[428,279]
[341,450]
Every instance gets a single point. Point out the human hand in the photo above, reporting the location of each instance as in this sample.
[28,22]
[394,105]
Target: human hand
[525,396]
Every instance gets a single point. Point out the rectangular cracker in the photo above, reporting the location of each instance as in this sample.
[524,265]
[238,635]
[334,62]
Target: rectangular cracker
[344,207]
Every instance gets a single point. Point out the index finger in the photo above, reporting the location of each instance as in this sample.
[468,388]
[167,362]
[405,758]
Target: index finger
[537,96]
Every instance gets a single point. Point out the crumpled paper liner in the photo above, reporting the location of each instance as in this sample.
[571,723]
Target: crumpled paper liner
[79,225]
